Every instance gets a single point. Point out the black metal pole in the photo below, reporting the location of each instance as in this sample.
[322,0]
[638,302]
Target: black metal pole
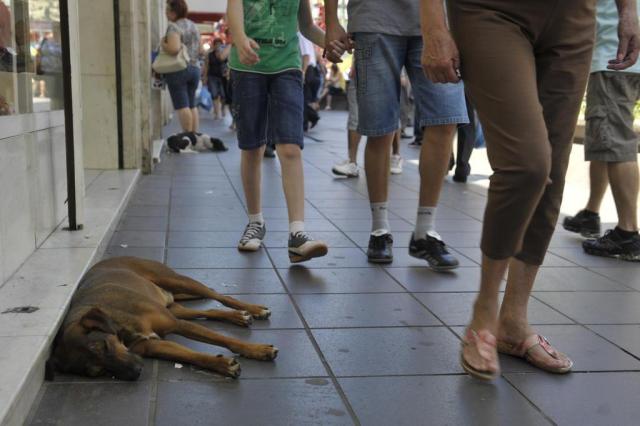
[116,32]
[68,116]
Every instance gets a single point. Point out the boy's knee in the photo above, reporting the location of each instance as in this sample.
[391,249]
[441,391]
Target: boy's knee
[289,152]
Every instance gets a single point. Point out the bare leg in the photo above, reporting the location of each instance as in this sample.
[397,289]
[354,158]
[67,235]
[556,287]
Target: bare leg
[376,164]
[172,351]
[624,186]
[328,106]
[395,146]
[242,318]
[195,117]
[434,162]
[248,350]
[599,180]
[354,141]
[290,156]
[186,119]
[216,108]
[251,171]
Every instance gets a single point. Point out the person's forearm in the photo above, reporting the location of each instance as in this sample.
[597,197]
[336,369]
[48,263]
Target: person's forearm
[224,54]
[306,25]
[432,16]
[235,16]
[314,34]
[627,8]
[330,12]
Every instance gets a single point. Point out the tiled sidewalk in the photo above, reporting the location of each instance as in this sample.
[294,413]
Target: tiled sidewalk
[359,344]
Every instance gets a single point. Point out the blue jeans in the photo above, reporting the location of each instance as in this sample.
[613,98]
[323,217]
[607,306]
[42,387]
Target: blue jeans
[182,87]
[379,60]
[268,108]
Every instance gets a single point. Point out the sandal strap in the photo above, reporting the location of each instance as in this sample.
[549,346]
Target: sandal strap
[533,341]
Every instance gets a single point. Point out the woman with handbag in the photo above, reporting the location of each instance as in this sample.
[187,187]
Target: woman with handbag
[178,62]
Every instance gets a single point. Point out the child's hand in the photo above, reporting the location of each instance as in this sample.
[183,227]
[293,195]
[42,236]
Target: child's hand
[247,51]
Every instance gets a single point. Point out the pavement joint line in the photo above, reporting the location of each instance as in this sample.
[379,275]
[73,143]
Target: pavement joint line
[526,398]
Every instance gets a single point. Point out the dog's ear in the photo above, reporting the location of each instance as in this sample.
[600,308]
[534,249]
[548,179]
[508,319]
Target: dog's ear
[97,319]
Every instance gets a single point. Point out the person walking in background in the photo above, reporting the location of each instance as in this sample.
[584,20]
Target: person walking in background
[269,106]
[183,84]
[349,168]
[312,82]
[468,136]
[528,110]
[386,39]
[334,86]
[215,69]
[611,145]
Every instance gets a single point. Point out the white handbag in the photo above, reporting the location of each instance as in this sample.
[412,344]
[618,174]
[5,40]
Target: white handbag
[166,63]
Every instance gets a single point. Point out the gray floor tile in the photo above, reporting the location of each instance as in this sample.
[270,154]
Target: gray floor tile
[146,211]
[347,280]
[583,399]
[235,224]
[579,257]
[629,277]
[152,253]
[82,404]
[273,402]
[573,279]
[191,258]
[334,239]
[283,314]
[400,239]
[364,224]
[550,260]
[596,308]
[336,258]
[625,336]
[363,310]
[456,308]
[425,280]
[237,281]
[219,239]
[138,239]
[437,400]
[296,357]
[134,223]
[401,259]
[390,351]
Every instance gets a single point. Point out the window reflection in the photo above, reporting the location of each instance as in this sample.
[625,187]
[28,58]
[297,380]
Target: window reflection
[31,78]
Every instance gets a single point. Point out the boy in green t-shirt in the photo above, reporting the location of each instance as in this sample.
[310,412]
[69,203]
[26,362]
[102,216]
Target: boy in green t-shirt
[268,106]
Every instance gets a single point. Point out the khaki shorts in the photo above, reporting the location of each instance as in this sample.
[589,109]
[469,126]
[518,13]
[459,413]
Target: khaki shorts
[609,135]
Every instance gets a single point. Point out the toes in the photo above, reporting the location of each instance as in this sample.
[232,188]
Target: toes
[262,313]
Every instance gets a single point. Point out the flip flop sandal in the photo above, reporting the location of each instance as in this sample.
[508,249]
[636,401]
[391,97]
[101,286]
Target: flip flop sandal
[471,339]
[536,350]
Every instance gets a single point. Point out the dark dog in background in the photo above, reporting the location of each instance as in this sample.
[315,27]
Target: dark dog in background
[125,306]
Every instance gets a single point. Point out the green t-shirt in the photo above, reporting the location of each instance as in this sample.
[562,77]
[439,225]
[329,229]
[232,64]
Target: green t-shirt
[273,24]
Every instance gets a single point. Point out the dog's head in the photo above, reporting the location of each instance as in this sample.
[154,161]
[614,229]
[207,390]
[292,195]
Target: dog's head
[91,347]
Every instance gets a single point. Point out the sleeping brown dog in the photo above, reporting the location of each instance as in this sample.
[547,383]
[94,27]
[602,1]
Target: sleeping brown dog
[124,307]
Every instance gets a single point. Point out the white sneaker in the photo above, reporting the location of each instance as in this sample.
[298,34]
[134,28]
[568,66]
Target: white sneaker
[347,169]
[396,165]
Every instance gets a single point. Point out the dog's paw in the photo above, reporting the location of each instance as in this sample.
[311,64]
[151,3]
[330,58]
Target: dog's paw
[262,352]
[229,367]
[259,312]
[242,318]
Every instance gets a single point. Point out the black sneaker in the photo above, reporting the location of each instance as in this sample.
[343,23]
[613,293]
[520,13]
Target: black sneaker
[302,247]
[252,237]
[613,244]
[416,142]
[179,141]
[269,152]
[380,248]
[434,251]
[584,222]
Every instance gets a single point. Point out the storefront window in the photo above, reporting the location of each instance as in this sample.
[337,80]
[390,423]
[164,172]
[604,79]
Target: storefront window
[31,78]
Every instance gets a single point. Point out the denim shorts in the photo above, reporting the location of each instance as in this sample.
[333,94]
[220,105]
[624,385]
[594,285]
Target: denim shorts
[379,60]
[216,87]
[182,87]
[268,108]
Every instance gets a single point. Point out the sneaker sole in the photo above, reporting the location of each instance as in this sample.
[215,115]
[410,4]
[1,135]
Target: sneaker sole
[379,261]
[349,175]
[584,232]
[316,252]
[435,267]
[625,257]
[250,249]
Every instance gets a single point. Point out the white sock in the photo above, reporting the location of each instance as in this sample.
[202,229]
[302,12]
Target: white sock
[426,222]
[379,218]
[296,226]
[256,218]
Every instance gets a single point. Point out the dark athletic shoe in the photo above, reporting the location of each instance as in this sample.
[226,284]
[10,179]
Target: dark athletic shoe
[252,237]
[434,251]
[302,247]
[584,223]
[380,249]
[269,152]
[612,244]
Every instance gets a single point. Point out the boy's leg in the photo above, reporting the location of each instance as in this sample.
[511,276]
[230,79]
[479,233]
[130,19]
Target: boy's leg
[251,172]
[290,156]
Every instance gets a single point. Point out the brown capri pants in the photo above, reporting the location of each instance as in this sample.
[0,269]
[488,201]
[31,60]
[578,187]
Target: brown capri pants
[526,65]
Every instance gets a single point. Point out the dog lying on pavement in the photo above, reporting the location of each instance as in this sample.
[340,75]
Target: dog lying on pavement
[123,308]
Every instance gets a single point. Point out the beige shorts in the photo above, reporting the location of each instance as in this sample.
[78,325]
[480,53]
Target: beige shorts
[609,134]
